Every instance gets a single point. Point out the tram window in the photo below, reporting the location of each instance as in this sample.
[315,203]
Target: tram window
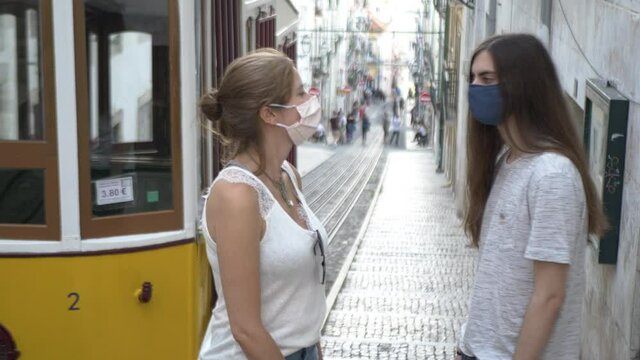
[21,110]
[127,71]
[129,105]
[22,196]
[29,197]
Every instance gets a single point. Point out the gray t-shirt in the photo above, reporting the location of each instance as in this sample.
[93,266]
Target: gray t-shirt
[536,211]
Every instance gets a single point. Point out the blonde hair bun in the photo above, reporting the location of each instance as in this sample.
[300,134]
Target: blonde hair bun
[210,105]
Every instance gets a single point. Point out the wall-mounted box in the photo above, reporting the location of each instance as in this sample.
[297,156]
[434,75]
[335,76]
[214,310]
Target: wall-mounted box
[605,137]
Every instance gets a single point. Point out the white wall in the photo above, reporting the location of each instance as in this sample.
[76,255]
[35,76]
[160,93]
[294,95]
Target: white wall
[286,21]
[248,9]
[475,25]
[339,75]
[332,19]
[306,14]
[468,44]
[336,19]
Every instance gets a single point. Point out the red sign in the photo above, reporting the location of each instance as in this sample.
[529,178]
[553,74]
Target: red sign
[425,96]
[347,89]
[313,91]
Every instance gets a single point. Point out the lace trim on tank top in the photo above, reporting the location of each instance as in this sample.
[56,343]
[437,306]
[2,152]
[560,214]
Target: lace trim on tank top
[235,175]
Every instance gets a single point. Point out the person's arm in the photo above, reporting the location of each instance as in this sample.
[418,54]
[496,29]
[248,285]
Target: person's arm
[320,357]
[557,210]
[544,307]
[237,228]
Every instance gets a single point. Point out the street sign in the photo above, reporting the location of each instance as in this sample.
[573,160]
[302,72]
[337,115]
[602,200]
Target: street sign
[313,91]
[425,96]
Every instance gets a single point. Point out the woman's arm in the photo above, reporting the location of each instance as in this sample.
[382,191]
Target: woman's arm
[544,307]
[237,228]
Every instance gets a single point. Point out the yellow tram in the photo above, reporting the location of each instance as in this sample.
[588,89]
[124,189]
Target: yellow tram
[102,167]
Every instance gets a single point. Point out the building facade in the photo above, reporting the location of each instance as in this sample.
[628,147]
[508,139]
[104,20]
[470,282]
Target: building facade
[591,41]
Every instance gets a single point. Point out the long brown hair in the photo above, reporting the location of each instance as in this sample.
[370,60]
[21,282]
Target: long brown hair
[533,99]
[249,83]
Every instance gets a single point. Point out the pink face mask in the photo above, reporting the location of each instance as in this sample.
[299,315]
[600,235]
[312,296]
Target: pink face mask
[310,116]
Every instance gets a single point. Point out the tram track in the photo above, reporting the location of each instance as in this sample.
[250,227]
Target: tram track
[326,173]
[342,193]
[347,255]
[334,290]
[334,219]
[334,204]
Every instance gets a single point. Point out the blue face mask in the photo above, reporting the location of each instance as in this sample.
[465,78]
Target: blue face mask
[485,103]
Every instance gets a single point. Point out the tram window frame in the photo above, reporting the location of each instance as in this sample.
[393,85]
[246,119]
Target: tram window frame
[39,154]
[139,222]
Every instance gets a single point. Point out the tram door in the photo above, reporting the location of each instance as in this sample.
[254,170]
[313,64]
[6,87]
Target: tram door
[98,178]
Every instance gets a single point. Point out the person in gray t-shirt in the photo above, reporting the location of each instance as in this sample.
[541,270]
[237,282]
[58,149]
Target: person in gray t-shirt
[531,207]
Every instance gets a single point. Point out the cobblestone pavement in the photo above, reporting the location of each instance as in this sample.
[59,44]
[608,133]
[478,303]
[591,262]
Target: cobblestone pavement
[405,295]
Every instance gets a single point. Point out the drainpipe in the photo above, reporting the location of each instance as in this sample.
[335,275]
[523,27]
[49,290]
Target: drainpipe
[441,84]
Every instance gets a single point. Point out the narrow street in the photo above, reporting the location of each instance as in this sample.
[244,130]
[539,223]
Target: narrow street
[118,117]
[406,290]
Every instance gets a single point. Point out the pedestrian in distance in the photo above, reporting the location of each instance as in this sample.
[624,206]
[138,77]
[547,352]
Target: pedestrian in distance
[366,124]
[420,136]
[414,116]
[320,135]
[351,125]
[385,125]
[361,109]
[264,244]
[343,126]
[334,121]
[396,126]
[531,206]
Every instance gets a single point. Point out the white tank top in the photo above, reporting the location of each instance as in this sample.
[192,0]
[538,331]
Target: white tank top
[292,295]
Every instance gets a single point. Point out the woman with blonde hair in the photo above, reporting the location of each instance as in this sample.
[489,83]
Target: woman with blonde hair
[265,246]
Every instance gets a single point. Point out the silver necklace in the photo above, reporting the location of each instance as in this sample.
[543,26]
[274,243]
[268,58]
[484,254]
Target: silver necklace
[283,190]
[278,184]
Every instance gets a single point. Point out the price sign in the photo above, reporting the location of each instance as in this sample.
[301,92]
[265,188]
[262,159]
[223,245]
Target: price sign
[114,191]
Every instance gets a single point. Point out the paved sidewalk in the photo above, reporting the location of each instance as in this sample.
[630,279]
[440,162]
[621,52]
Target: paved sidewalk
[406,293]
[310,156]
